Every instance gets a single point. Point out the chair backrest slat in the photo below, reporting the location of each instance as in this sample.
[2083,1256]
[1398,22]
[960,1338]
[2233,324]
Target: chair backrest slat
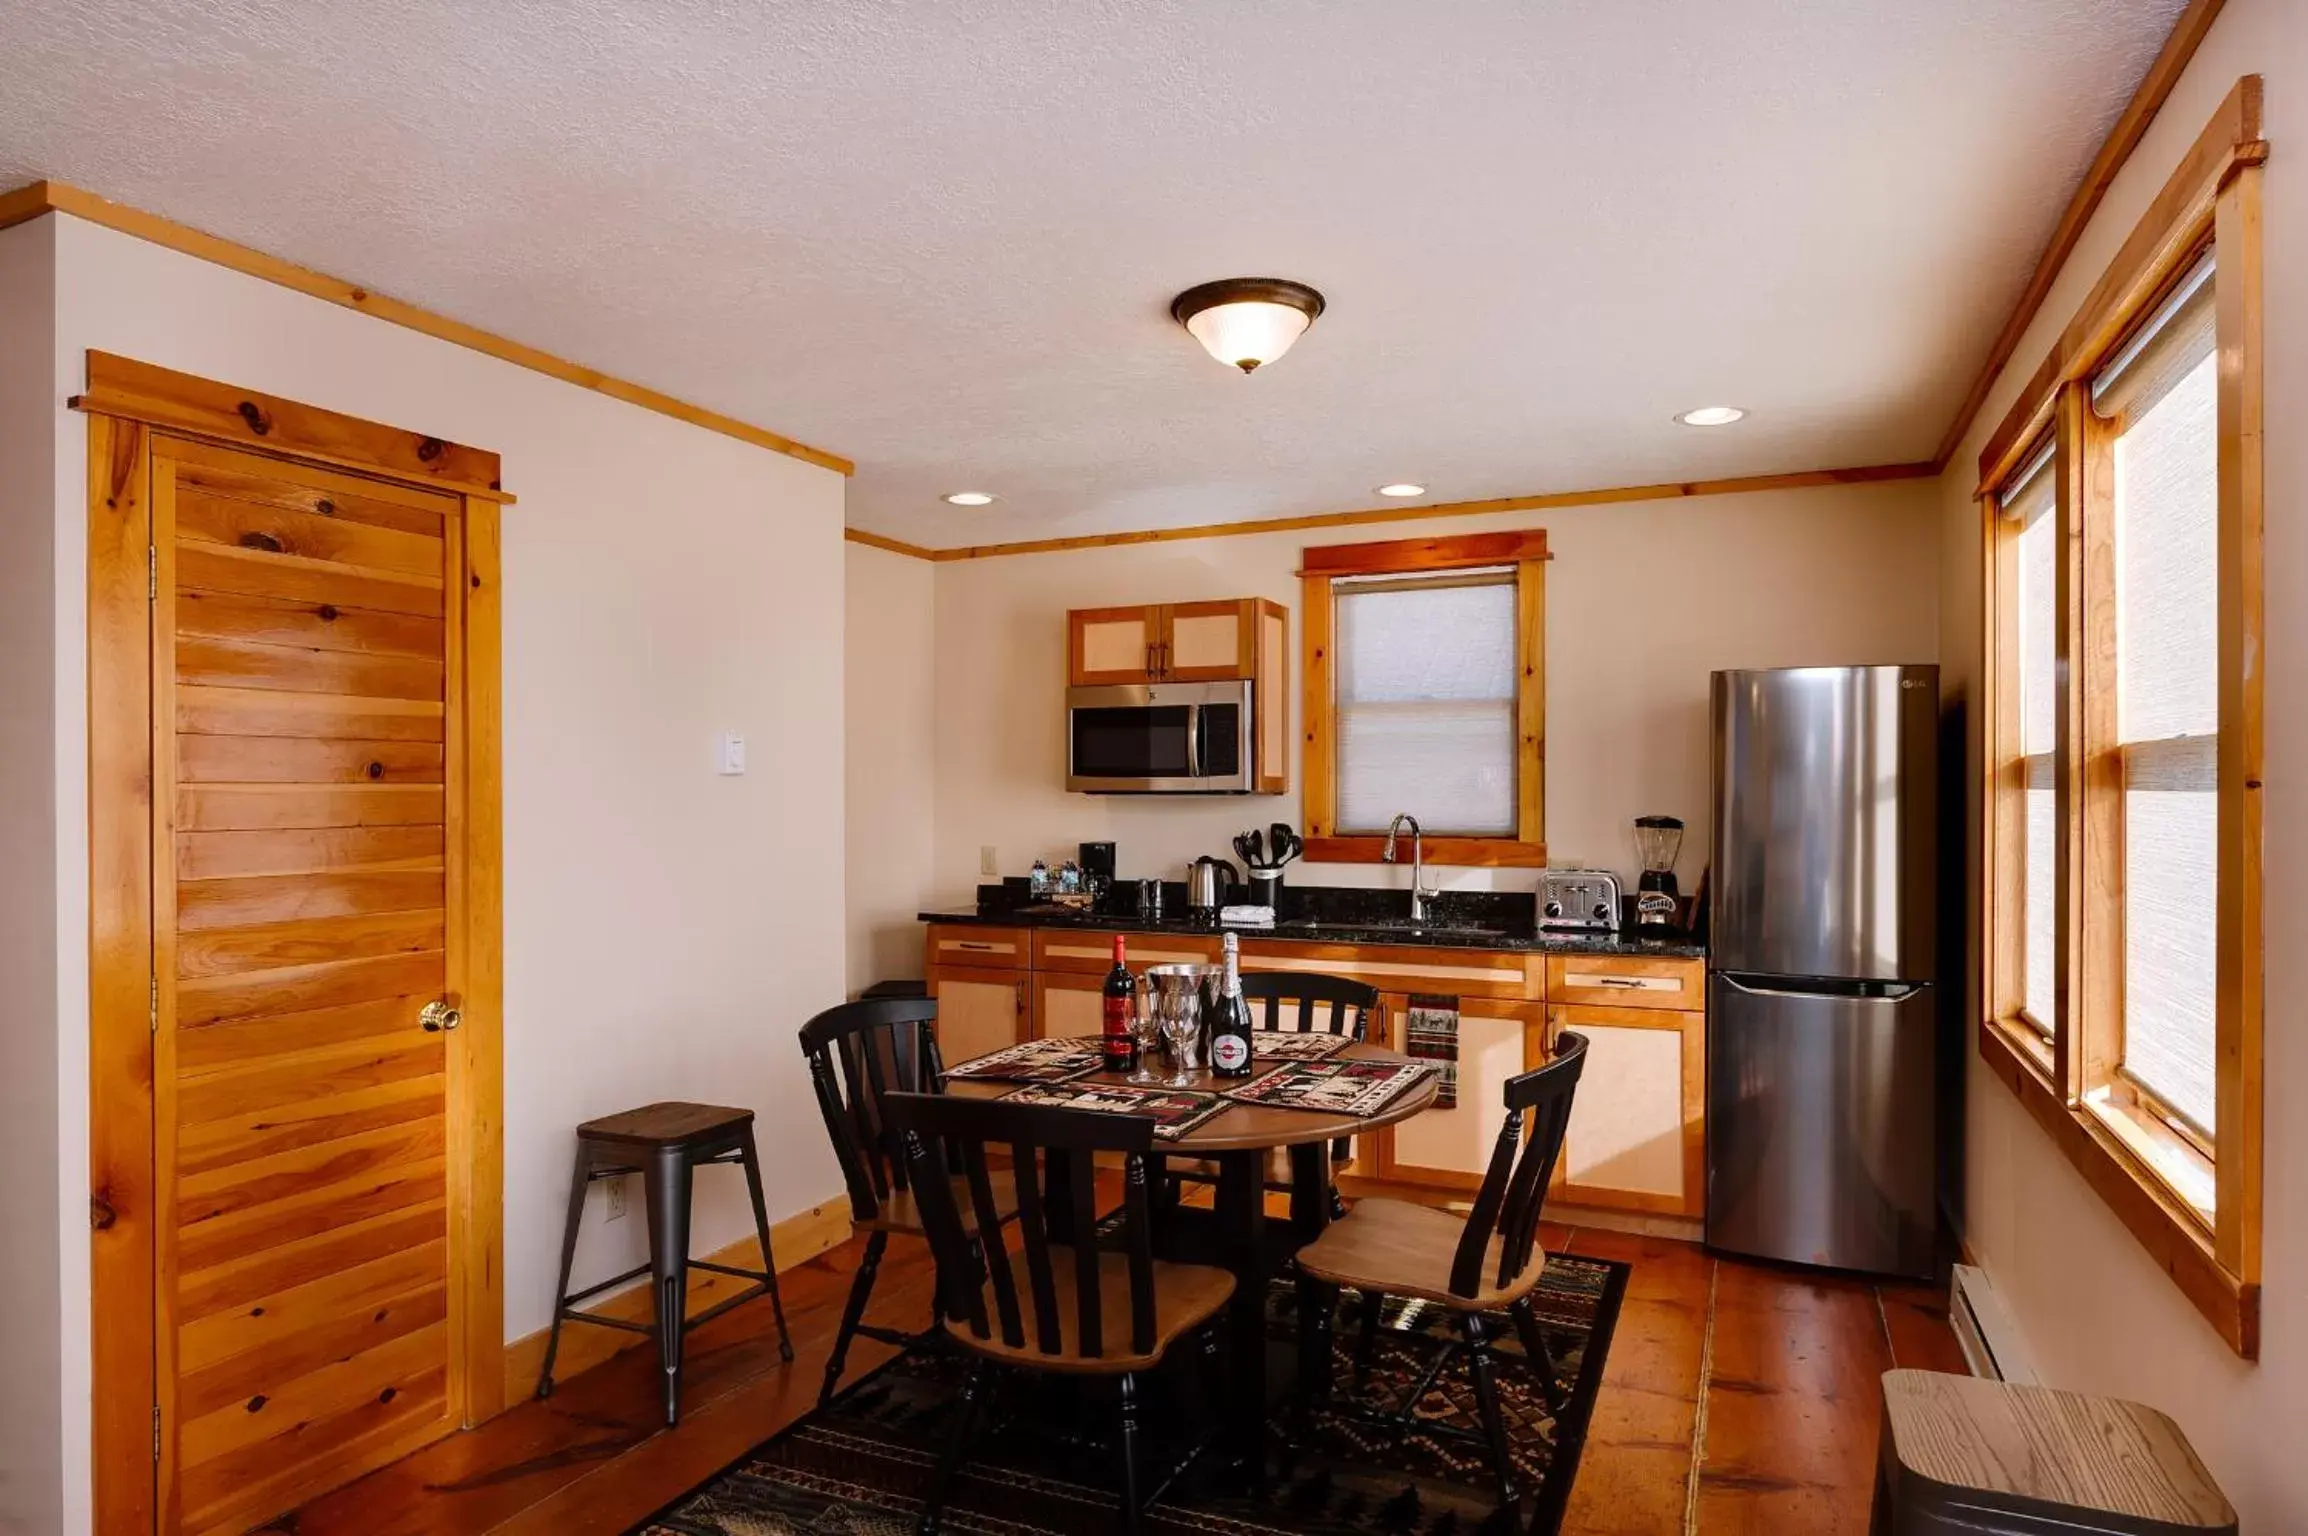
[1351,1004]
[1514,1187]
[858,1054]
[1051,1163]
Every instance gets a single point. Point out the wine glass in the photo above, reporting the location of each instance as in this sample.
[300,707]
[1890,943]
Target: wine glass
[1181,1023]
[1146,1029]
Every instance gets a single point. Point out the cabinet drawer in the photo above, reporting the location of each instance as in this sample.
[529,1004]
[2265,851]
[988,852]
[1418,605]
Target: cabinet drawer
[1627,981]
[1403,968]
[1062,950]
[968,944]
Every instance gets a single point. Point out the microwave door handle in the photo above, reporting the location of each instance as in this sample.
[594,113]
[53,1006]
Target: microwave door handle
[1194,741]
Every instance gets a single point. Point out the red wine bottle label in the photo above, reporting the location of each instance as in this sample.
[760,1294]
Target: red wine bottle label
[1230,1053]
[1119,1044]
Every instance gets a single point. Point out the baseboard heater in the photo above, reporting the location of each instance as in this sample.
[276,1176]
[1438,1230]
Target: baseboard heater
[1984,1327]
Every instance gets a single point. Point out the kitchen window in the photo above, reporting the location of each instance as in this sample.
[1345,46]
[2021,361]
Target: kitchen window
[1425,694]
[2121,851]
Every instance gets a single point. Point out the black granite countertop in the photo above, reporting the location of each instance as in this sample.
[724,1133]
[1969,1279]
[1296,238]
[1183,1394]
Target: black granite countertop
[1336,915]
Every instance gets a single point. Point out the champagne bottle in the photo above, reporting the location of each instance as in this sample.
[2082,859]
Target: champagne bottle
[1230,1030]
[1119,998]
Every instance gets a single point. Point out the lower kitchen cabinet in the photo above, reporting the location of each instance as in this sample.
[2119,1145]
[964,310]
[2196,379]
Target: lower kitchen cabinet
[978,1010]
[1450,1148]
[1638,1134]
[1068,1003]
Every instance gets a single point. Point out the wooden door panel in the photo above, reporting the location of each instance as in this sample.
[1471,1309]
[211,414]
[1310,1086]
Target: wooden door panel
[243,712]
[306,909]
[323,627]
[259,573]
[317,850]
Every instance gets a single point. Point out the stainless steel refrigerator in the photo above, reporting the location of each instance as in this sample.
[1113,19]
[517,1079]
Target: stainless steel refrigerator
[1822,1012]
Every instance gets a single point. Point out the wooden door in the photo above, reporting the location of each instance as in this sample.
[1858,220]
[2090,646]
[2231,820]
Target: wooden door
[309,881]
[1069,1004]
[978,1010]
[1638,1134]
[1114,645]
[1450,1148]
[1208,642]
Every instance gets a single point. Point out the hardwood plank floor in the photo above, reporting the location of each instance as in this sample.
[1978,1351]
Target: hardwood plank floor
[1738,1398]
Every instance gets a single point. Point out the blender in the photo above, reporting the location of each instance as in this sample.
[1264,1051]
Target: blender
[1658,904]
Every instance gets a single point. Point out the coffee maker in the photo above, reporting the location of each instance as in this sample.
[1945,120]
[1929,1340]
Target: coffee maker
[1658,904]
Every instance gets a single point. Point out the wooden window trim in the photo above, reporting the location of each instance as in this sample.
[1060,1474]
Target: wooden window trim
[123,424]
[1526,551]
[2153,1171]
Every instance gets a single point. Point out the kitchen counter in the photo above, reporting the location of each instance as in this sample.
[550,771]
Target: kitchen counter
[1444,933]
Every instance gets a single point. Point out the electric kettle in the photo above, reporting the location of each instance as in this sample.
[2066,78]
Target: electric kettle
[1206,882]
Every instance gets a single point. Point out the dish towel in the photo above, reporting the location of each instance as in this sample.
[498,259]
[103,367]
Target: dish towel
[1431,1033]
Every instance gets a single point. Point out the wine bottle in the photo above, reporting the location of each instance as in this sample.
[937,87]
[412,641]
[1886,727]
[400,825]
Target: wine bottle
[1230,1030]
[1119,997]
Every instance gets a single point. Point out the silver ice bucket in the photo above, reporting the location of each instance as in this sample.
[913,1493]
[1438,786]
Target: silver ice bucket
[1176,992]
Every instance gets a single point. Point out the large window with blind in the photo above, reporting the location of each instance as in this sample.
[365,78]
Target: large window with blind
[1425,694]
[2121,859]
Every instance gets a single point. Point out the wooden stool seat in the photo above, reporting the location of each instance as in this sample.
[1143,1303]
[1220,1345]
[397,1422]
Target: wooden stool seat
[1408,1250]
[1960,1454]
[666,1143]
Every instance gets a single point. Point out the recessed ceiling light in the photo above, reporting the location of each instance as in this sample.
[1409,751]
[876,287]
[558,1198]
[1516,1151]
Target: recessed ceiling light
[1711,416]
[971,498]
[1402,488]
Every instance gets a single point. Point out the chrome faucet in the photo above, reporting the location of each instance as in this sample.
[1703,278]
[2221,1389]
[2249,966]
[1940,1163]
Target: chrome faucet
[1419,894]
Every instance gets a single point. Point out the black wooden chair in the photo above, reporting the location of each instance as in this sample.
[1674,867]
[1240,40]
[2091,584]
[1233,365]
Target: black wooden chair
[1486,1264]
[1083,1310]
[859,1053]
[1288,1001]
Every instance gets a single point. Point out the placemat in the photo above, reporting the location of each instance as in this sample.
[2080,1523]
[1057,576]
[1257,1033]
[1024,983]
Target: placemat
[1333,1087]
[1174,1111]
[1295,1044]
[1033,1061]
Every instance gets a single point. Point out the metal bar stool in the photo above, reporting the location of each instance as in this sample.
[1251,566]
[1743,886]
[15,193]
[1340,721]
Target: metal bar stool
[666,1143]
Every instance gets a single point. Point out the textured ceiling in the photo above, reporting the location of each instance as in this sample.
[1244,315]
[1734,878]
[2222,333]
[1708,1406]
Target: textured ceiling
[940,238]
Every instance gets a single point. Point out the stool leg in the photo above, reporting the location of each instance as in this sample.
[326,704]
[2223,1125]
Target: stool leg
[580,1179]
[669,1180]
[768,1259]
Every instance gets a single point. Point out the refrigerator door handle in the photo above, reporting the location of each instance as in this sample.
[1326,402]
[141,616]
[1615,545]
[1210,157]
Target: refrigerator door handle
[1889,991]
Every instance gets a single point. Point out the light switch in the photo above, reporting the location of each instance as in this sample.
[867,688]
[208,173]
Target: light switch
[988,864]
[732,752]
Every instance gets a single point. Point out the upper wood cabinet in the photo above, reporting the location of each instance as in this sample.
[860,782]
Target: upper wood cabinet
[1206,642]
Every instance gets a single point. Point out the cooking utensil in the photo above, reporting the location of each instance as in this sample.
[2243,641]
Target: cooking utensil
[1278,844]
[1247,845]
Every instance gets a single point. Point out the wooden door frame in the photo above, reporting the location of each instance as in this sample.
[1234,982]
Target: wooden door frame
[128,403]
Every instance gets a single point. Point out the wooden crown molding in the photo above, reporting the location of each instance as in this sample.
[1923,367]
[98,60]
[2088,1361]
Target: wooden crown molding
[2124,136]
[42,197]
[1669,491]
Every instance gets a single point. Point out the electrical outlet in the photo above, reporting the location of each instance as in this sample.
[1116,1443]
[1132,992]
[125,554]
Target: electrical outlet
[989,864]
[616,1199]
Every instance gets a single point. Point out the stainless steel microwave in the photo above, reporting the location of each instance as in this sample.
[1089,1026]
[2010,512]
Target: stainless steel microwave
[1161,739]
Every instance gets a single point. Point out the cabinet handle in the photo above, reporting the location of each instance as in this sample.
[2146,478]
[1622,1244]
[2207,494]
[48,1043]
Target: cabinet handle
[1151,669]
[1165,658]
[1021,997]
[975,945]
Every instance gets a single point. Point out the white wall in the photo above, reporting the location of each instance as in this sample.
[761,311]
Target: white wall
[1644,599]
[2099,1316]
[665,929]
[888,659]
[30,1358]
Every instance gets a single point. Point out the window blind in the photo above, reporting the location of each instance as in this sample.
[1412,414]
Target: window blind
[2161,392]
[1425,701]
[2029,502]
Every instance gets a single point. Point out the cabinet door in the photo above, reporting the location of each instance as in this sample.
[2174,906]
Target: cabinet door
[1208,642]
[978,1011]
[1069,1004]
[1113,645]
[1637,1139]
[1450,1148]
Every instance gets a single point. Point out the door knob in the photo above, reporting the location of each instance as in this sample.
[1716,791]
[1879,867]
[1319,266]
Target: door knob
[438,1016]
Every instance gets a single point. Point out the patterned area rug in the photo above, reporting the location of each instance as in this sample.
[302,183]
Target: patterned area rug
[1043,1459]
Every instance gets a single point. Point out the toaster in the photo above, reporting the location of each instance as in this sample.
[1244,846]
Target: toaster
[1578,901]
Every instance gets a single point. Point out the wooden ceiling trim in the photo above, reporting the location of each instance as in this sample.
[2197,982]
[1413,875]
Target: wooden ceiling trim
[42,197]
[2154,89]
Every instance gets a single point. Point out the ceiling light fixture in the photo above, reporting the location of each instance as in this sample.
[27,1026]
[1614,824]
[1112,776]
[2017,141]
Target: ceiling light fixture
[1402,488]
[1247,322]
[1711,416]
[970,498]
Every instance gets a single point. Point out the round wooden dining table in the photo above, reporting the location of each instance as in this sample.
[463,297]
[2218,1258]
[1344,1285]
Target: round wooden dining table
[1236,1233]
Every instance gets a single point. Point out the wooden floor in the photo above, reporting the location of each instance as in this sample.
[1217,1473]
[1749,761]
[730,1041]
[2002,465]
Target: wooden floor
[1739,1398]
